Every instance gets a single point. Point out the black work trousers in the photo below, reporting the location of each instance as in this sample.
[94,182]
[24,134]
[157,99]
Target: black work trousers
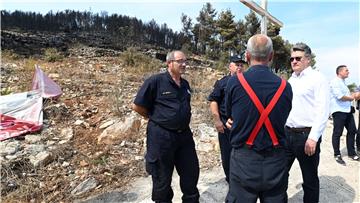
[166,149]
[225,151]
[358,130]
[341,120]
[257,175]
[308,164]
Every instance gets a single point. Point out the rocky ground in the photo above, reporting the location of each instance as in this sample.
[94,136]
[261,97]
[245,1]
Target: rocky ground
[91,141]
[91,146]
[338,183]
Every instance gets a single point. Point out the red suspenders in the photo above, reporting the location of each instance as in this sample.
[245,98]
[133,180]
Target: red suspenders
[264,113]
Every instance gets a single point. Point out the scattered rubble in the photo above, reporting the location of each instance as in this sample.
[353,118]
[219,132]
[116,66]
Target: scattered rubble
[91,141]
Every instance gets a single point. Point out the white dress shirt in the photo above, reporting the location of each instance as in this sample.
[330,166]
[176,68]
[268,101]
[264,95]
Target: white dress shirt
[311,102]
[339,89]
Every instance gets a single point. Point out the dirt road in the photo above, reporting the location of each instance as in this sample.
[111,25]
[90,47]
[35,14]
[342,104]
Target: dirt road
[337,183]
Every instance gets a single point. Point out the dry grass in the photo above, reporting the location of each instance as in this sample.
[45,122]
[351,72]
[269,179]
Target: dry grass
[109,85]
[52,55]
[9,55]
[138,63]
[202,82]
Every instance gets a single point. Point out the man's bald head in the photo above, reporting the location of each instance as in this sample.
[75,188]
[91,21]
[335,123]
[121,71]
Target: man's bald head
[260,48]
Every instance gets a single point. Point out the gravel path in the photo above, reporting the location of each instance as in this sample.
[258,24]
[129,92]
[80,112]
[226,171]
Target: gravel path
[337,183]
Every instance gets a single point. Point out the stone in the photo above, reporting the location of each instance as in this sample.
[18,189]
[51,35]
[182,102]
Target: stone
[67,133]
[85,186]
[78,122]
[116,132]
[205,146]
[41,159]
[106,124]
[10,148]
[32,138]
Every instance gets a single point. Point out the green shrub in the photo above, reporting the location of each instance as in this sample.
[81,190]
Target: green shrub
[9,54]
[137,62]
[29,64]
[5,91]
[130,56]
[186,48]
[52,55]
[222,63]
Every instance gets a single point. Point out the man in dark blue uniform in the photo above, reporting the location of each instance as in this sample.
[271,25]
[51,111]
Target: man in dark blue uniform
[165,100]
[258,103]
[217,108]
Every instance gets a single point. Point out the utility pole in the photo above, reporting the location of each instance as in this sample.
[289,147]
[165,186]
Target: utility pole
[263,12]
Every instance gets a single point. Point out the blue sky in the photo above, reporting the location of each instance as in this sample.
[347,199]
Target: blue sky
[330,28]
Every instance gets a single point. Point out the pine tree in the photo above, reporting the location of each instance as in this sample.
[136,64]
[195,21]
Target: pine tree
[226,28]
[252,25]
[187,27]
[206,32]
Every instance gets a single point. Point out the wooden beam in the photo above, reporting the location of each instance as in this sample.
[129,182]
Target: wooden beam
[253,6]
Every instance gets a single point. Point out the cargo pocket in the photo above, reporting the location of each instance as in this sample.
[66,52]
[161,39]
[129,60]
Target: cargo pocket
[230,198]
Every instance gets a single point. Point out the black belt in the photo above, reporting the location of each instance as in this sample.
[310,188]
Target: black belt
[299,130]
[172,130]
[177,131]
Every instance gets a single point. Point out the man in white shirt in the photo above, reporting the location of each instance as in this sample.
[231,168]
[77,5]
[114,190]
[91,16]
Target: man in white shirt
[307,120]
[340,106]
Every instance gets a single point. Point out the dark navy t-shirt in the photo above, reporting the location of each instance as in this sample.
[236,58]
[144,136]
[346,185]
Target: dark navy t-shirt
[167,103]
[244,113]
[218,95]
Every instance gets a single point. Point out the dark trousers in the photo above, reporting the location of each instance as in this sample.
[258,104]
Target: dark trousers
[256,175]
[342,120]
[225,150]
[358,137]
[358,130]
[166,149]
[308,164]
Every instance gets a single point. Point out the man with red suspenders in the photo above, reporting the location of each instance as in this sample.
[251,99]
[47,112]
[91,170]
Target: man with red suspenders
[258,103]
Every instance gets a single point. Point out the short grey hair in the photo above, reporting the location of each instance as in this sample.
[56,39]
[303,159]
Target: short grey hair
[256,48]
[171,55]
[302,47]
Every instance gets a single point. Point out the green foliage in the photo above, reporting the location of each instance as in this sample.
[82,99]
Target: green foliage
[138,62]
[227,30]
[129,56]
[241,36]
[208,34]
[5,91]
[187,26]
[206,27]
[223,62]
[273,30]
[29,64]
[186,48]
[352,87]
[252,24]
[281,61]
[52,55]
[102,160]
[9,54]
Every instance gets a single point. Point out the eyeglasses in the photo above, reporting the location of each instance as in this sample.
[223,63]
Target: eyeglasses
[296,58]
[239,64]
[180,61]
